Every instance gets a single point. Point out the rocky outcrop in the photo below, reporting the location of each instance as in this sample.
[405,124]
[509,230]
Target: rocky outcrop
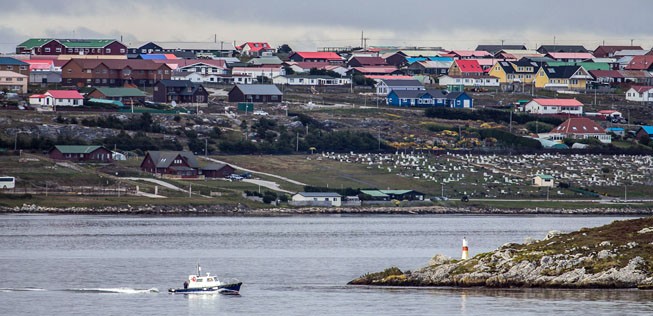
[618,255]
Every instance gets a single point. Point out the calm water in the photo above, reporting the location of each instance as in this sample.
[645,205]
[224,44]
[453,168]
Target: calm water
[108,265]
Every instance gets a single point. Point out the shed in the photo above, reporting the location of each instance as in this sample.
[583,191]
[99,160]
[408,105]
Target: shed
[81,153]
[259,93]
[543,180]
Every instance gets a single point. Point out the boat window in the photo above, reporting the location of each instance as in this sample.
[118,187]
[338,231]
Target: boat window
[209,280]
[200,280]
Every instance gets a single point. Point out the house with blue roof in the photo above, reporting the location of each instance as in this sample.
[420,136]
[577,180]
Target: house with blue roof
[644,131]
[429,98]
[14,65]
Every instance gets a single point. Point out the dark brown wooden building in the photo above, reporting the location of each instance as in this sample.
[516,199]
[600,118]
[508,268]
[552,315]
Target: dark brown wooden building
[180,91]
[258,93]
[51,46]
[113,72]
[217,170]
[175,163]
[81,153]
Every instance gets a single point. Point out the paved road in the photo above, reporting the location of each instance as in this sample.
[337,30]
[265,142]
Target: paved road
[157,181]
[268,184]
[256,172]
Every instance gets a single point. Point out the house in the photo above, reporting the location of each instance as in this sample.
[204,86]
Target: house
[578,128]
[469,54]
[310,80]
[260,93]
[124,95]
[14,65]
[329,57]
[44,71]
[183,67]
[259,72]
[374,71]
[183,49]
[511,54]
[81,153]
[255,49]
[618,131]
[358,61]
[543,180]
[217,170]
[409,98]
[54,98]
[463,67]
[13,81]
[113,72]
[431,67]
[610,50]
[384,86]
[182,164]
[494,49]
[451,99]
[521,71]
[570,57]
[545,49]
[607,76]
[316,199]
[265,61]
[51,46]
[180,91]
[645,131]
[640,94]
[554,106]
[562,77]
[641,63]
[469,81]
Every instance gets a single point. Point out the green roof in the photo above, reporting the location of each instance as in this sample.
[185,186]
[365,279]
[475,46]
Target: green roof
[396,192]
[587,65]
[121,92]
[72,149]
[72,43]
[544,176]
[103,101]
[374,193]
[34,42]
[90,43]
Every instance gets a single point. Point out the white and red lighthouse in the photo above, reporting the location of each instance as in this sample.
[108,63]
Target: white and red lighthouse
[465,250]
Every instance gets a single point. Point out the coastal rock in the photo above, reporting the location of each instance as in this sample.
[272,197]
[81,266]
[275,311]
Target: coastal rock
[571,260]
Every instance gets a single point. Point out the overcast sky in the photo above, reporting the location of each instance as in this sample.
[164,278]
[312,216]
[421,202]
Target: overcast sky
[307,25]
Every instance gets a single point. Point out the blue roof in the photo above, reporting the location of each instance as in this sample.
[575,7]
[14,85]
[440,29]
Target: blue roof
[411,60]
[648,129]
[11,61]
[153,56]
[440,58]
[615,129]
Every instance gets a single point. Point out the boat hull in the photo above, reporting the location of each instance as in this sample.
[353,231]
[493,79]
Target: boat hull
[231,288]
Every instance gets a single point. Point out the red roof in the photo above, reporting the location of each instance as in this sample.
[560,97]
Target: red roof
[469,65]
[641,89]
[640,63]
[579,125]
[470,53]
[376,70]
[558,102]
[370,61]
[64,94]
[119,64]
[255,46]
[39,64]
[384,77]
[319,55]
[606,74]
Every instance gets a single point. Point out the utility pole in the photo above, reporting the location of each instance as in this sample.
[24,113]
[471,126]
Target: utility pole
[206,147]
[510,120]
[297,144]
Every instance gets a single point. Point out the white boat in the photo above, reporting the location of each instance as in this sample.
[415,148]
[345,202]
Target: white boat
[198,284]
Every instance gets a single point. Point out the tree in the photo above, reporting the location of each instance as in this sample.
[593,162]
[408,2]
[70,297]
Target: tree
[284,49]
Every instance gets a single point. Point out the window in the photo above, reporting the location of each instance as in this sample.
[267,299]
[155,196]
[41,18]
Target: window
[19,79]
[108,50]
[122,50]
[23,67]
[47,49]
[10,67]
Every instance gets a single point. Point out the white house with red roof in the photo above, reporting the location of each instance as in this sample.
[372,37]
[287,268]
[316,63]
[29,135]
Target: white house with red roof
[329,57]
[578,128]
[554,106]
[255,49]
[54,98]
[640,94]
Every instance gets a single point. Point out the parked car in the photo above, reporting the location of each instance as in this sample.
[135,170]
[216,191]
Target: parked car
[234,177]
[261,113]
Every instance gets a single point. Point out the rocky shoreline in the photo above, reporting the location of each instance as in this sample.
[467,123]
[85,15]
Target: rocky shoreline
[618,255]
[225,210]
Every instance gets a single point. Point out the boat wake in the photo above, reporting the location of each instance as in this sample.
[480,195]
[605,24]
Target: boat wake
[119,290]
[25,289]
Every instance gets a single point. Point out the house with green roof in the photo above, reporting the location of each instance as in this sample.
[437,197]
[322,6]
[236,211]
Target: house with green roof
[53,46]
[543,180]
[388,195]
[124,95]
[81,153]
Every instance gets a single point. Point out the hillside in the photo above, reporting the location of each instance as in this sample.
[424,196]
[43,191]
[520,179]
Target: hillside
[617,255]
